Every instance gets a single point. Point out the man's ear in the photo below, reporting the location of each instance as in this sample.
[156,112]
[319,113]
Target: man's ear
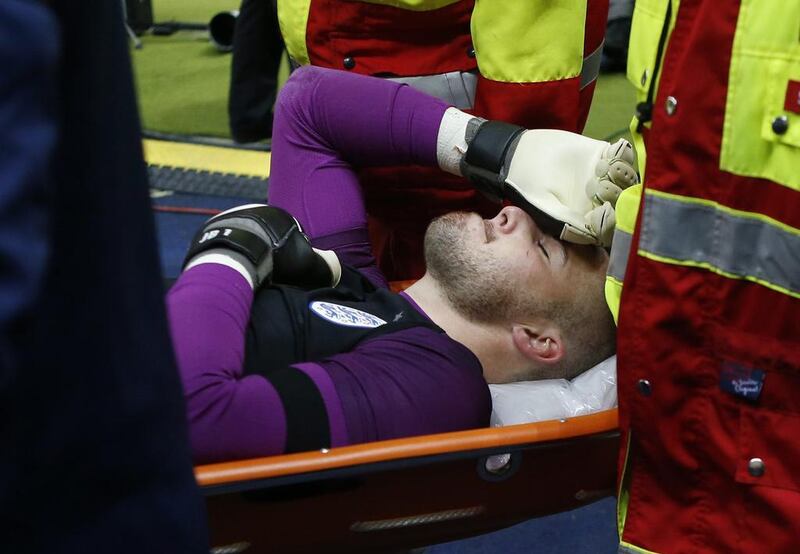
[542,344]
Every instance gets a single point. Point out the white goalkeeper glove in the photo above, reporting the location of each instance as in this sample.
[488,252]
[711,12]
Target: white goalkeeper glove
[569,183]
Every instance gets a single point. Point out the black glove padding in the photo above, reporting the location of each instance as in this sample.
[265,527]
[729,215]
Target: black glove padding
[489,154]
[273,241]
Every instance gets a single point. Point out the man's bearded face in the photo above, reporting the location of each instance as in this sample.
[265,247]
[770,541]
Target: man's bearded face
[480,284]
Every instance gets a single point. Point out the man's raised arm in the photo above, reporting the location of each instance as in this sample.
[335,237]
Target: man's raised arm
[327,125]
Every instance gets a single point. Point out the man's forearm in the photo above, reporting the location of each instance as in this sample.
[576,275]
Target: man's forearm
[327,124]
[230,415]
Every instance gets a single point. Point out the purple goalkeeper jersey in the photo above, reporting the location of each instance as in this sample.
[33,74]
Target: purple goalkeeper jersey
[389,371]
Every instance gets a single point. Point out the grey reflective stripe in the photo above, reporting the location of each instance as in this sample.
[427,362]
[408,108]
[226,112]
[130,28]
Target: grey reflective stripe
[591,67]
[457,88]
[702,234]
[620,250]
[617,9]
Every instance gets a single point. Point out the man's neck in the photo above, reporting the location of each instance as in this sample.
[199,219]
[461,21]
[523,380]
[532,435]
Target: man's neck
[487,342]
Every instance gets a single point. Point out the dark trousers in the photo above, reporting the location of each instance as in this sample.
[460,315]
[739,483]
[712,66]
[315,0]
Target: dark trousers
[257,51]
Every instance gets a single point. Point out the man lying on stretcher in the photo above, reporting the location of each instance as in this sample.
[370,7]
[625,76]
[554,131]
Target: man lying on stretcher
[285,348]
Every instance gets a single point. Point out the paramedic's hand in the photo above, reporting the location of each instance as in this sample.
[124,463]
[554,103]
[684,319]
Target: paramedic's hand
[271,245]
[575,180]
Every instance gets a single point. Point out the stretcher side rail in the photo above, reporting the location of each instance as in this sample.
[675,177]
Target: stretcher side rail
[213,475]
[411,492]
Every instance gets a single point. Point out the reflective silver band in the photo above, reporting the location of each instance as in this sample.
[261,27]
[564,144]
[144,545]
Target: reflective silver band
[457,88]
[591,66]
[705,235]
[620,250]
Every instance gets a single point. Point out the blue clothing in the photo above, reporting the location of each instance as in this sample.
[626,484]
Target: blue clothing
[94,454]
[28,58]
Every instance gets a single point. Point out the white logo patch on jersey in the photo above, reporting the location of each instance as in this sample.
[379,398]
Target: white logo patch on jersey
[345,315]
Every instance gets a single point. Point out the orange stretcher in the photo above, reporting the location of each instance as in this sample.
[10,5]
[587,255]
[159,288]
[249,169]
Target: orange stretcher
[407,493]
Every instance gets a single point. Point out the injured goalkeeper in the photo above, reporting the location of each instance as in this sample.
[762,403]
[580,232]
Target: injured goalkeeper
[286,335]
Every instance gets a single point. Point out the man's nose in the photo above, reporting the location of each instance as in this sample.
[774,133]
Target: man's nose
[509,219]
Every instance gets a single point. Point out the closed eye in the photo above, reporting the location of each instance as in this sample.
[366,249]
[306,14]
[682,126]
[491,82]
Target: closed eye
[544,250]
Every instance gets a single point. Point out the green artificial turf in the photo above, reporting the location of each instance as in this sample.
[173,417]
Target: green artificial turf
[194,11]
[182,80]
[612,108]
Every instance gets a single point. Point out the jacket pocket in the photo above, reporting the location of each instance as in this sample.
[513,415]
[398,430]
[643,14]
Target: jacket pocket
[761,134]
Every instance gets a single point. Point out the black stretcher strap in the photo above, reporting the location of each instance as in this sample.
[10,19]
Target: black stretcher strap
[307,425]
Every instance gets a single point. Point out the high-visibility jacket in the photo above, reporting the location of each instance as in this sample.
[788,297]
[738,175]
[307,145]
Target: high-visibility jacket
[532,63]
[709,316]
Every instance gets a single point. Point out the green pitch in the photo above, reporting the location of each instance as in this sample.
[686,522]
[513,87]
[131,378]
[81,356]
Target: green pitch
[182,81]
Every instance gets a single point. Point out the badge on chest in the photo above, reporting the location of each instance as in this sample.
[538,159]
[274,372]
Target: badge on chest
[345,315]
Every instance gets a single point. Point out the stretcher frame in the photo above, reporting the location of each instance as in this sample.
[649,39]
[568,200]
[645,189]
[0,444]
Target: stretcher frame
[394,495]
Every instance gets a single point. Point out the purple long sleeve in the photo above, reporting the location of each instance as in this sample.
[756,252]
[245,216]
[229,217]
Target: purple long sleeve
[230,416]
[385,388]
[329,122]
